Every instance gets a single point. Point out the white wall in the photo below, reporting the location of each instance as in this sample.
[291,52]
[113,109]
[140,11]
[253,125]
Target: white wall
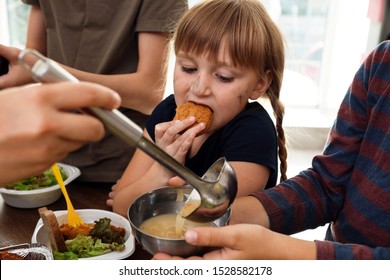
[4,33]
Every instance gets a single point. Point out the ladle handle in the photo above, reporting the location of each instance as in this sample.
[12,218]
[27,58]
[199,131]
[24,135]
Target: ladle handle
[131,133]
[47,71]
[169,162]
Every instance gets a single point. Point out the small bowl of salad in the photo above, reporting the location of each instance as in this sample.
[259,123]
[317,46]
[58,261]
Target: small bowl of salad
[38,191]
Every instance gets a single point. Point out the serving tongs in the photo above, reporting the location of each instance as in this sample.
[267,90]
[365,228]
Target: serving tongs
[216,189]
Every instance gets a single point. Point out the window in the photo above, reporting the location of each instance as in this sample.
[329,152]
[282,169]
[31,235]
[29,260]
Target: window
[13,22]
[324,49]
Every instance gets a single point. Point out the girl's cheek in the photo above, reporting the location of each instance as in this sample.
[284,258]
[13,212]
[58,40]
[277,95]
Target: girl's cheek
[182,86]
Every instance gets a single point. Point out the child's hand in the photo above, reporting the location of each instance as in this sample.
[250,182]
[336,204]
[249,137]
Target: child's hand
[233,242]
[112,193]
[176,182]
[170,137]
[236,242]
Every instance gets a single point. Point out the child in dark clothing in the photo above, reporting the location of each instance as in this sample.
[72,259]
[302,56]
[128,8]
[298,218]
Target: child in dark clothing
[347,186]
[227,53]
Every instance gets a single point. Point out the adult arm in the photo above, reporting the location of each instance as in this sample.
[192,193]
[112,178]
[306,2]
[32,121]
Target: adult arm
[36,32]
[143,89]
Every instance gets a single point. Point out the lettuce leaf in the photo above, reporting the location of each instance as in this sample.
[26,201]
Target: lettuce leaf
[43,180]
[103,231]
[85,247]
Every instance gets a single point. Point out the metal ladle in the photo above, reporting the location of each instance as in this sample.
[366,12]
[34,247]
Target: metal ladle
[216,189]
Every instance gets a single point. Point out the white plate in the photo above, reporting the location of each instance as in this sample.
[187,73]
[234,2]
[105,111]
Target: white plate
[39,197]
[89,216]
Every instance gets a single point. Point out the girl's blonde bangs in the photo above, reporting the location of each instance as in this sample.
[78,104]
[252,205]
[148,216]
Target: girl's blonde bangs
[203,29]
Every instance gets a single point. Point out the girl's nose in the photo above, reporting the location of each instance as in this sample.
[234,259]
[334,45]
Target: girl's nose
[201,85]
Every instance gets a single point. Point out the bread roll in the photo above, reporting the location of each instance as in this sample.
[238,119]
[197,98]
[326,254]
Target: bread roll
[202,113]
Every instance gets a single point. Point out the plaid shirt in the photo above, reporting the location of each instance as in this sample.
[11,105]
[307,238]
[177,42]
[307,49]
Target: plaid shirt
[349,185]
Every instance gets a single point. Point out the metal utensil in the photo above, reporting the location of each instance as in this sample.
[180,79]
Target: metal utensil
[214,194]
[217,188]
[73,218]
[163,201]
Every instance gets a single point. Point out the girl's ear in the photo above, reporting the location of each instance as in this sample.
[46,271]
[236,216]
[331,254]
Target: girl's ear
[261,86]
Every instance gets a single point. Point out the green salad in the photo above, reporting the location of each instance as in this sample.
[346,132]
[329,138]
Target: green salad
[86,247]
[102,239]
[44,180]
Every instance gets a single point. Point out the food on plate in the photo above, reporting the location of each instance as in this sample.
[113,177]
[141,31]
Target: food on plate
[101,229]
[202,113]
[10,256]
[43,180]
[70,232]
[82,241]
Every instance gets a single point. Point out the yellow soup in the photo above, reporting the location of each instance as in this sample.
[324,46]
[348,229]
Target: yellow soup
[169,226]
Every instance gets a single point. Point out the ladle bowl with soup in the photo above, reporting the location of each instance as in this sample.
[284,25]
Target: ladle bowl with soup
[157,225]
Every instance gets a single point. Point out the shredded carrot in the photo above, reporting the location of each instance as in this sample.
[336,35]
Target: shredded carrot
[71,232]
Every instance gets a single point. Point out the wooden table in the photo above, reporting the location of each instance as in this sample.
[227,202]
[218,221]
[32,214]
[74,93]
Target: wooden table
[17,225]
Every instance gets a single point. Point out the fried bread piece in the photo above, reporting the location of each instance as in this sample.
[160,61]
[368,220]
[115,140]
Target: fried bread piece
[202,113]
[52,230]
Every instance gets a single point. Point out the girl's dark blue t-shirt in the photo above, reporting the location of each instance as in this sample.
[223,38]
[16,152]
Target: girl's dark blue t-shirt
[249,137]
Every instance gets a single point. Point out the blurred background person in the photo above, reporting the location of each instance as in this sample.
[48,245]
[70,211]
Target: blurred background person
[120,44]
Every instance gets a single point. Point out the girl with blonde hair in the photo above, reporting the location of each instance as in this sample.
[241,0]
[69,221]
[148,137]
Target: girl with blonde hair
[228,53]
